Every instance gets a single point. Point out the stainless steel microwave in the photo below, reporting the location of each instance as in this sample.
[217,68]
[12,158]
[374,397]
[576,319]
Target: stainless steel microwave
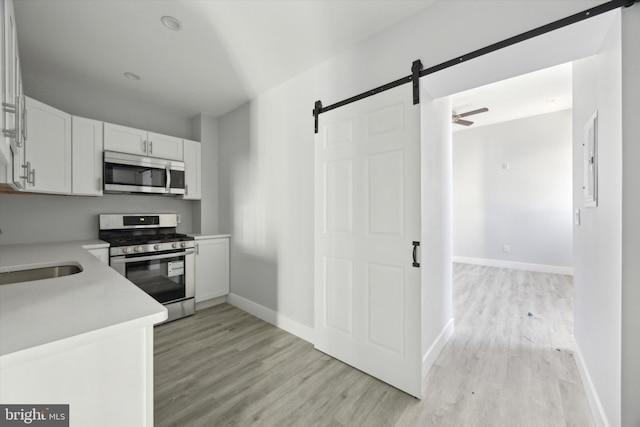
[130,173]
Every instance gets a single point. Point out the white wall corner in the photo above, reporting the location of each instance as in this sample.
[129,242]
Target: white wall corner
[196,127]
[597,410]
[430,356]
[270,316]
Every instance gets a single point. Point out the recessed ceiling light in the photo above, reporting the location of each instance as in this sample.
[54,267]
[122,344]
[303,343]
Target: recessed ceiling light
[171,23]
[131,76]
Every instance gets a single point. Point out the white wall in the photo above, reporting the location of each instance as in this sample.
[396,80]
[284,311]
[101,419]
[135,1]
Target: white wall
[437,224]
[266,199]
[205,211]
[83,99]
[244,214]
[598,239]
[269,177]
[630,215]
[27,218]
[527,206]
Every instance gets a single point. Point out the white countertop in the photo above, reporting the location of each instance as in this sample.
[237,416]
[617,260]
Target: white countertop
[48,315]
[91,244]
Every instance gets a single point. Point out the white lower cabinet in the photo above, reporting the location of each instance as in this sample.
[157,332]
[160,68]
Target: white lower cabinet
[212,267]
[116,366]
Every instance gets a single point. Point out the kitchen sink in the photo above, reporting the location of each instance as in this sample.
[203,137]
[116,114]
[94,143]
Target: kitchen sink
[38,273]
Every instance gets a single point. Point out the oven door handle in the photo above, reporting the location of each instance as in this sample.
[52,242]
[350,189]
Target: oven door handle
[168,169]
[122,259]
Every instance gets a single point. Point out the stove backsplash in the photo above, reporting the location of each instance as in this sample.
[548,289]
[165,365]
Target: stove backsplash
[48,218]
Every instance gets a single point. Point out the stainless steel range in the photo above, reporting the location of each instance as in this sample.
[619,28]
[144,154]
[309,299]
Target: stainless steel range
[146,249]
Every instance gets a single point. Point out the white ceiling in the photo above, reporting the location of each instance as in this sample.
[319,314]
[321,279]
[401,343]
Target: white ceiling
[540,92]
[227,52]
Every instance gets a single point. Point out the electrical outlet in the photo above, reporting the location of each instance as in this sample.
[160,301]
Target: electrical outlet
[179,218]
[506,248]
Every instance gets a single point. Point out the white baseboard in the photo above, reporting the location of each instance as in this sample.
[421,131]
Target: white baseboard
[599,417]
[210,302]
[542,268]
[431,355]
[296,328]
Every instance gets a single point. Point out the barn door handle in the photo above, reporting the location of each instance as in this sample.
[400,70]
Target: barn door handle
[415,254]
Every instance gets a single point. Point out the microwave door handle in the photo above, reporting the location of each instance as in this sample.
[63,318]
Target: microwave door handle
[168,179]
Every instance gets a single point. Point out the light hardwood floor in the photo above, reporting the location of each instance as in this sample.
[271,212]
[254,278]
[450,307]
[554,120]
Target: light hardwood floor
[502,367]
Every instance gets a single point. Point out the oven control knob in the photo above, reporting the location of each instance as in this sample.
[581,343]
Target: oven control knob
[137,249]
[125,250]
[174,245]
[183,245]
[156,246]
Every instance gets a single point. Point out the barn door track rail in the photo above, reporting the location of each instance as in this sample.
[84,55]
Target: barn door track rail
[417,70]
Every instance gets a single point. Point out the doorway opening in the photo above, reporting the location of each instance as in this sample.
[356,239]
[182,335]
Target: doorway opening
[512,247]
[594,49]
[512,173]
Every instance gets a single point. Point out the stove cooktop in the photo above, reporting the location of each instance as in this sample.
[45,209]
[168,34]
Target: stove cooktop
[128,240]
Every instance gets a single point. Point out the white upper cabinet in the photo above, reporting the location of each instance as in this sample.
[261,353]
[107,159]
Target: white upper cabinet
[9,46]
[49,153]
[14,170]
[135,141]
[86,140]
[12,111]
[125,139]
[193,170]
[164,146]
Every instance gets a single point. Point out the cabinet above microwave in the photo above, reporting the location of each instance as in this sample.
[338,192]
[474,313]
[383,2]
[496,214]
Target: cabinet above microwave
[124,139]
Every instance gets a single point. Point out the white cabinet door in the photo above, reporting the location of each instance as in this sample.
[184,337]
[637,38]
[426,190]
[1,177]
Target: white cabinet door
[212,268]
[49,152]
[5,141]
[86,140]
[137,141]
[193,170]
[9,59]
[12,142]
[164,146]
[125,139]
[367,193]
[19,145]
[15,170]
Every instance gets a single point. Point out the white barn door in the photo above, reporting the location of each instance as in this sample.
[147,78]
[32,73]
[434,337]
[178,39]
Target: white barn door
[367,215]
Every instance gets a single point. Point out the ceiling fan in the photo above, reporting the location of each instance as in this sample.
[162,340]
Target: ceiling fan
[457,118]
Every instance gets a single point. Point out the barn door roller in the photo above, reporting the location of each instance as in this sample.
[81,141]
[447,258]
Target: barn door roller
[319,109]
[415,78]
